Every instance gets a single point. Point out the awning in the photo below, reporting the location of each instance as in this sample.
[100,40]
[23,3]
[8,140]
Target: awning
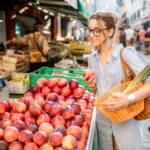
[72,10]
[83,10]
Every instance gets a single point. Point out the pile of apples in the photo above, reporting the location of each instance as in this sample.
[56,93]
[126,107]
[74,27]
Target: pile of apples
[54,115]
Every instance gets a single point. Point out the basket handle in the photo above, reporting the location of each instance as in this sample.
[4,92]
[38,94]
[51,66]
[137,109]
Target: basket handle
[125,66]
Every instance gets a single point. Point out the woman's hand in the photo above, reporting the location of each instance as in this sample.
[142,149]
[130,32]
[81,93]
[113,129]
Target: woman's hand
[91,82]
[118,102]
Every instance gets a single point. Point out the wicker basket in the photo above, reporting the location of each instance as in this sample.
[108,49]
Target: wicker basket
[124,114]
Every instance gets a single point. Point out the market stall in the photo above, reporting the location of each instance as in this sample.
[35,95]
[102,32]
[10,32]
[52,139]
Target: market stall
[58,100]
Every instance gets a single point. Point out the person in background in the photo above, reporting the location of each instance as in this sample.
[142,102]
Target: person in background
[129,36]
[147,42]
[37,44]
[135,38]
[122,36]
[106,64]
[141,39]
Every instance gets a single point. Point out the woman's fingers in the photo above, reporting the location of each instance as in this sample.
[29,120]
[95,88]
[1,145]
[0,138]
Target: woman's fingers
[91,82]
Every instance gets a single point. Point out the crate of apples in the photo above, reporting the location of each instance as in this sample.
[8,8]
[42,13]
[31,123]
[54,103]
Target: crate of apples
[54,115]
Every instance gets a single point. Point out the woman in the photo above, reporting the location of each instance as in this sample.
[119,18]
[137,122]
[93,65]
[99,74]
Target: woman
[105,62]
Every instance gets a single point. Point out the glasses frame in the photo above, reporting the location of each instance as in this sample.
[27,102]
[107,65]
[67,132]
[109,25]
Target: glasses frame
[98,33]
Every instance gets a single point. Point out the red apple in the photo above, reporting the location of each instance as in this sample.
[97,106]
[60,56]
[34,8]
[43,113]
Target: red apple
[11,134]
[37,102]
[74,123]
[69,142]
[27,114]
[3,107]
[25,136]
[60,97]
[60,129]
[40,138]
[83,111]
[66,91]
[1,133]
[70,97]
[82,87]
[11,103]
[5,115]
[88,120]
[76,107]
[68,113]
[80,145]
[16,146]
[73,84]
[77,93]
[35,110]
[46,146]
[19,107]
[89,73]
[68,123]
[82,103]
[58,148]
[55,139]
[6,123]
[31,146]
[56,89]
[32,127]
[35,89]
[55,110]
[52,97]
[43,118]
[74,131]
[46,127]
[85,131]
[79,119]
[70,101]
[20,125]
[3,145]
[38,95]
[46,90]
[17,116]
[28,94]
[61,82]
[47,106]
[30,120]
[62,104]
[41,82]
[58,121]
[89,113]
[51,82]
[25,101]
[83,139]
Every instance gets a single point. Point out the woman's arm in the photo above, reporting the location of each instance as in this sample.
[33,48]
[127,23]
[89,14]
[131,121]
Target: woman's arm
[142,92]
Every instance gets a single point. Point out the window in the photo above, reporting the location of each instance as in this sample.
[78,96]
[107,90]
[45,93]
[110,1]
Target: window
[138,14]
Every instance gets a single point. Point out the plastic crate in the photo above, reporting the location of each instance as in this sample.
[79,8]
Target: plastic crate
[68,71]
[80,48]
[40,73]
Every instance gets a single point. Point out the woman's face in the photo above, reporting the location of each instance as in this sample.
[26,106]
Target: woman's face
[97,33]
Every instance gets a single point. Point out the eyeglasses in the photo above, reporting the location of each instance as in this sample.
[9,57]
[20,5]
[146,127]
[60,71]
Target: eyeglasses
[96,32]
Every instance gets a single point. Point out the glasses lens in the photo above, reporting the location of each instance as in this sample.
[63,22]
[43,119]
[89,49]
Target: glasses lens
[96,32]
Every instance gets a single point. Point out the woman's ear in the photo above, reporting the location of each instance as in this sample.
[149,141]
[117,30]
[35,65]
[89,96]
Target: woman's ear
[110,32]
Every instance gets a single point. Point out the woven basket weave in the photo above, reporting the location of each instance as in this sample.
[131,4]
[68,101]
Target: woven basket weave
[123,114]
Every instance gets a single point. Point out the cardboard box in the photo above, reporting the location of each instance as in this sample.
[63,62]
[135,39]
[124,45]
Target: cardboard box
[4,94]
[17,85]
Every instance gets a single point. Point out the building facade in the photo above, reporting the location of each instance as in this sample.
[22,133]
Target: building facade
[134,12]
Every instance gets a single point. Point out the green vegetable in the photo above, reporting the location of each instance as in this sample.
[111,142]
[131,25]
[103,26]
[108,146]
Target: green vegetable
[139,78]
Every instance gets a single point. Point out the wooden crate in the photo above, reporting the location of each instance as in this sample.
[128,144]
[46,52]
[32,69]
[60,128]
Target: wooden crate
[18,87]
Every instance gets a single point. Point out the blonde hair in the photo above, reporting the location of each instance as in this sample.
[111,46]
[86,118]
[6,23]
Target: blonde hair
[110,19]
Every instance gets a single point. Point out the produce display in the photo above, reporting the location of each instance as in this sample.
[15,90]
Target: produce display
[54,115]
[67,63]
